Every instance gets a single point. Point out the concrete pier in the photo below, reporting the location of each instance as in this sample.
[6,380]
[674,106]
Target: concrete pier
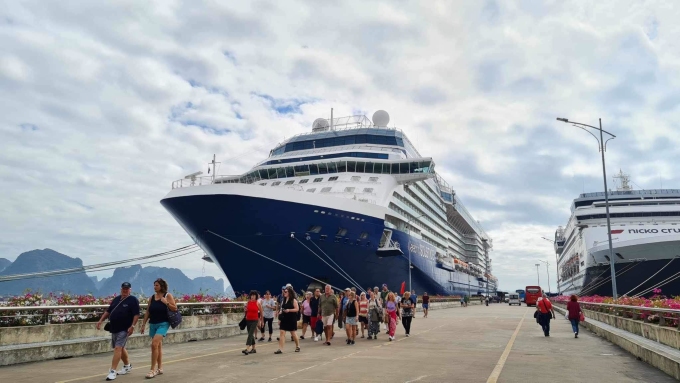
[498,343]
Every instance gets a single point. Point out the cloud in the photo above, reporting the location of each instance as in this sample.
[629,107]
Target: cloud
[103,106]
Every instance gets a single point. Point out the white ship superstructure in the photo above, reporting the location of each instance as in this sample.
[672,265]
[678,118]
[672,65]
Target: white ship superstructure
[353,164]
[645,229]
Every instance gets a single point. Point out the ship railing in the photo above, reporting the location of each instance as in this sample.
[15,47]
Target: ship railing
[42,315]
[661,316]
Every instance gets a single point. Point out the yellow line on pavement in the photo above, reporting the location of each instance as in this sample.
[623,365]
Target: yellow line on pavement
[493,378]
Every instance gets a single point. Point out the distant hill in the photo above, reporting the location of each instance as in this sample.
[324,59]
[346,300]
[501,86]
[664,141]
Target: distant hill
[46,260]
[4,262]
[98,283]
[141,278]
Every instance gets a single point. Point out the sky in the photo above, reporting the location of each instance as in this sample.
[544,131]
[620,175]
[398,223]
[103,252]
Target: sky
[104,104]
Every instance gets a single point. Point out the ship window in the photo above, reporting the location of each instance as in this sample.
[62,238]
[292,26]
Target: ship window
[360,167]
[368,190]
[582,263]
[349,189]
[373,179]
[326,190]
[289,182]
[323,237]
[277,183]
[341,232]
[351,166]
[312,190]
[263,184]
[318,179]
[337,239]
[304,181]
[333,178]
[314,229]
[356,178]
[323,168]
[364,235]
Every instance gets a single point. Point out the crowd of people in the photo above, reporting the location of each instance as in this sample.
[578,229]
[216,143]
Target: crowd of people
[360,314]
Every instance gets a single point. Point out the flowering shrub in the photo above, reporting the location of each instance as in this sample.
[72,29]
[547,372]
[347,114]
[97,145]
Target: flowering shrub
[655,301]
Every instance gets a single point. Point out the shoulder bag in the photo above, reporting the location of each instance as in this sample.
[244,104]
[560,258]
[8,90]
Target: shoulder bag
[174,317]
[107,326]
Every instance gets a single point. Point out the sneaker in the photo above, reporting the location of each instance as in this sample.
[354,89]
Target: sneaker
[352,343]
[270,339]
[406,335]
[112,375]
[261,339]
[316,338]
[126,368]
[302,337]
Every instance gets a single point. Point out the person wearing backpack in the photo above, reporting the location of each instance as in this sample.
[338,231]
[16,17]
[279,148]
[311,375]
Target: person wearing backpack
[159,323]
[546,313]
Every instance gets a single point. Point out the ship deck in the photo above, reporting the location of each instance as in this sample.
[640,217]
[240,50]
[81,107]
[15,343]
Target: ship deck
[498,343]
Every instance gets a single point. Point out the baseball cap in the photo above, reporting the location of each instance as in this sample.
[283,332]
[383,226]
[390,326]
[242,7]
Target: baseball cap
[288,285]
[384,285]
[283,287]
[126,285]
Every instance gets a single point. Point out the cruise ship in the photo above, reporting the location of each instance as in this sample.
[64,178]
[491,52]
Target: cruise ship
[351,203]
[645,231]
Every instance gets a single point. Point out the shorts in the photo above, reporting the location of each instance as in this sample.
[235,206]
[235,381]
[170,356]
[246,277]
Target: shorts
[306,319]
[328,320]
[363,319]
[158,329]
[119,339]
[352,321]
[426,305]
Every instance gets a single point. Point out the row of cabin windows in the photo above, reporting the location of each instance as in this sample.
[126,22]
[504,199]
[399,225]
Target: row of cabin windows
[330,179]
[339,141]
[340,233]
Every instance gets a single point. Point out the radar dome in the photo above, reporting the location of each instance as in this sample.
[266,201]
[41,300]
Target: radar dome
[319,125]
[381,118]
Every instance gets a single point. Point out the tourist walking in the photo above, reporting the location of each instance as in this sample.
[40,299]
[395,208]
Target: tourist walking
[546,314]
[328,310]
[288,319]
[374,315]
[426,304]
[392,314]
[268,306]
[352,317]
[574,313]
[314,303]
[363,313]
[343,310]
[159,324]
[306,314]
[407,312]
[254,319]
[123,313]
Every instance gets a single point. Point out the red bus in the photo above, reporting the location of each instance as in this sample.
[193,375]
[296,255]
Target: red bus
[531,294]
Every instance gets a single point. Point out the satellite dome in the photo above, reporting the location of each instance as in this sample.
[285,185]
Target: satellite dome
[319,125]
[381,118]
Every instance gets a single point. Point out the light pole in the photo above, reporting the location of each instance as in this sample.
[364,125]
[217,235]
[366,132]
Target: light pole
[547,264]
[602,147]
[408,227]
[537,275]
[557,265]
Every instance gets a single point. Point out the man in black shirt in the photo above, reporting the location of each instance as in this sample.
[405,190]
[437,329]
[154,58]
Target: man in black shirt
[314,304]
[123,313]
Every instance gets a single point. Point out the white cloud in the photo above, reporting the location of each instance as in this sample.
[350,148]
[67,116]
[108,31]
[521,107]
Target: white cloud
[103,105]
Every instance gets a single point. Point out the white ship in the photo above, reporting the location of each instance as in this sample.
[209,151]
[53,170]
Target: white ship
[350,203]
[645,230]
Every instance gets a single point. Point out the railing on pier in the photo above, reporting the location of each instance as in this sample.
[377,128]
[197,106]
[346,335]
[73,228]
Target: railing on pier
[41,315]
[661,316]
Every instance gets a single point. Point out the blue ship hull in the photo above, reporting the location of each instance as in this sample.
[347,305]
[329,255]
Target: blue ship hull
[265,226]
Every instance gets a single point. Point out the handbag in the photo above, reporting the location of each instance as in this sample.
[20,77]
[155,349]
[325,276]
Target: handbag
[174,317]
[107,326]
[242,324]
[582,317]
[319,326]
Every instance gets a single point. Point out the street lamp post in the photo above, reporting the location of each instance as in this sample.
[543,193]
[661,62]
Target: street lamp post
[537,275]
[557,265]
[547,264]
[602,147]
[408,227]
